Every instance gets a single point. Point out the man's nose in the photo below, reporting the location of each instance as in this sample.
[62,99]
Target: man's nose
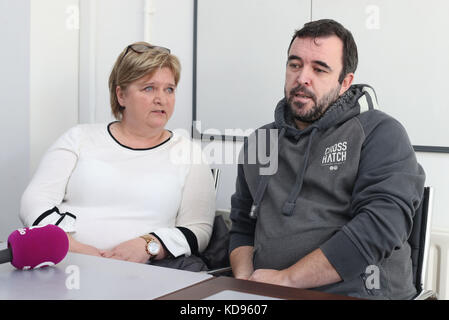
[304,77]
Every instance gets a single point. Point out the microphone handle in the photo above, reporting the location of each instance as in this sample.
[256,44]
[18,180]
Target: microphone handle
[5,255]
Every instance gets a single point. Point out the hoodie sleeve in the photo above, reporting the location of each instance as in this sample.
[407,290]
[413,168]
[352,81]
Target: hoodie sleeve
[243,227]
[386,194]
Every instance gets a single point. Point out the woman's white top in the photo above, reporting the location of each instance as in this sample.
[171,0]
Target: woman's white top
[105,193]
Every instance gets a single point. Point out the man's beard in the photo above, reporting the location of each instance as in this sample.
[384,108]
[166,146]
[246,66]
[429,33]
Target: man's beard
[319,107]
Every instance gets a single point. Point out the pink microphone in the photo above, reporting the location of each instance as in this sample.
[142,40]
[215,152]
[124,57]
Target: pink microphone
[36,247]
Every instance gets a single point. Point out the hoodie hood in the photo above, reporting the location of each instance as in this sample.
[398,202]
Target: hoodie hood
[357,99]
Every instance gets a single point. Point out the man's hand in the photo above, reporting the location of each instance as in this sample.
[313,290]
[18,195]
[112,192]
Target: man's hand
[271,276]
[241,259]
[314,270]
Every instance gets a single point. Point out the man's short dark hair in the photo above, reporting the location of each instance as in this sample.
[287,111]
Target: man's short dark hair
[326,28]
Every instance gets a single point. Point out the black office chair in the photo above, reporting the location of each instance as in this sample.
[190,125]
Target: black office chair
[419,241]
[215,256]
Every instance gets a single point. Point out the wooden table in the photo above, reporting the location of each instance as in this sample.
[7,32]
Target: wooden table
[216,285]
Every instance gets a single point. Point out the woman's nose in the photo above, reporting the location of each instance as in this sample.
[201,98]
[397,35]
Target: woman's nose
[159,97]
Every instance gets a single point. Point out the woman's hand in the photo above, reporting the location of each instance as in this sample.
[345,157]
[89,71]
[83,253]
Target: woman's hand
[78,247]
[132,250]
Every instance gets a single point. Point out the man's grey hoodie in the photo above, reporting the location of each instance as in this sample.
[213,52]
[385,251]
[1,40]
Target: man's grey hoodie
[348,184]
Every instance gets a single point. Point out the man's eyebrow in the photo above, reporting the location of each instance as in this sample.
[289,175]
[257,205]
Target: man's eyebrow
[321,63]
[293,57]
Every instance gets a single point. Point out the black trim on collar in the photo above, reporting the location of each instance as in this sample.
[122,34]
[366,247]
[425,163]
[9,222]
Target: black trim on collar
[137,149]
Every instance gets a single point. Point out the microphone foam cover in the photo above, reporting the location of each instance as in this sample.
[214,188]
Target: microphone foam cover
[38,246]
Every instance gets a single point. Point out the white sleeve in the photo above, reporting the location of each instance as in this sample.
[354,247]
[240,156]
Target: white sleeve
[40,201]
[195,217]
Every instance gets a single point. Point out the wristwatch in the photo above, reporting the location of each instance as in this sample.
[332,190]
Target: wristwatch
[152,247]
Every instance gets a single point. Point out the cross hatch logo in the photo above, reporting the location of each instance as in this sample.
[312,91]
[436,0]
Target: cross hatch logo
[335,155]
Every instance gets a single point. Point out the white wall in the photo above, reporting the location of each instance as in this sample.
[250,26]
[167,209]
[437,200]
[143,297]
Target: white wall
[172,27]
[106,27]
[15,93]
[39,63]
[54,44]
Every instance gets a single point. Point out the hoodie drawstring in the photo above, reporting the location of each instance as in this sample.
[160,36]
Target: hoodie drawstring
[262,186]
[289,205]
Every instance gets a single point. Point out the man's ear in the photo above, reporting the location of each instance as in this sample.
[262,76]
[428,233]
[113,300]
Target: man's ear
[120,95]
[346,83]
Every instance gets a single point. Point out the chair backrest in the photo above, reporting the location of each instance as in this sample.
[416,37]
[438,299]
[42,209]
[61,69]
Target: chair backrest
[216,254]
[419,239]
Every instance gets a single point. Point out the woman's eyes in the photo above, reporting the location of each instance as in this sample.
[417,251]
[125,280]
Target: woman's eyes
[151,88]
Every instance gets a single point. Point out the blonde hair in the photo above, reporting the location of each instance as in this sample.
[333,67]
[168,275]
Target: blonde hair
[131,66]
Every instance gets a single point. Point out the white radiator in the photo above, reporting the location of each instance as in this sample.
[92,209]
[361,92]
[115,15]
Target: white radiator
[438,264]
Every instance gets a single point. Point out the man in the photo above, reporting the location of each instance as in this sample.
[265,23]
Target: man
[337,213]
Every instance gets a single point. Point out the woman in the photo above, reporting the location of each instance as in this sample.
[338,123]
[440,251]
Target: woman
[114,188]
